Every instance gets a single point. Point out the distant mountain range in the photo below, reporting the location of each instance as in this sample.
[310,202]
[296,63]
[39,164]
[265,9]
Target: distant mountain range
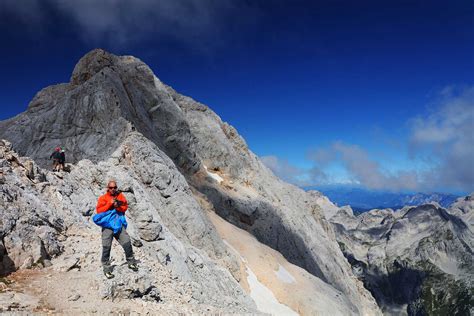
[362,200]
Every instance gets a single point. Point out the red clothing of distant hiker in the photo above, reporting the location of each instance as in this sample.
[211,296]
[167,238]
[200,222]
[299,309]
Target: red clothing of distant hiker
[106,202]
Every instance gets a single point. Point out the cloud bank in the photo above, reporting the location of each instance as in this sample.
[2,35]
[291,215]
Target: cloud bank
[283,169]
[446,138]
[443,139]
[362,168]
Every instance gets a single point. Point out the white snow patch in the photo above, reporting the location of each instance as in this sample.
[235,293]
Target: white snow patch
[215,176]
[264,298]
[284,275]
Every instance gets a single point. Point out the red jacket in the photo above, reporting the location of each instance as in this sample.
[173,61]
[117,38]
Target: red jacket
[106,202]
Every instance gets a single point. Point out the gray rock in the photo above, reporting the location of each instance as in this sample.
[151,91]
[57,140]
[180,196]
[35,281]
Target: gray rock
[463,207]
[416,260]
[108,96]
[29,225]
[74,297]
[128,284]
[88,211]
[36,234]
[279,214]
[117,120]
[67,263]
[149,229]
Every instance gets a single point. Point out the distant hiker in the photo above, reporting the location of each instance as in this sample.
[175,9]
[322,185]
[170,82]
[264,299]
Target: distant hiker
[62,160]
[56,156]
[110,215]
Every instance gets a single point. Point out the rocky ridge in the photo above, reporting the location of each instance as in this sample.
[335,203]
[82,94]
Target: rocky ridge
[46,218]
[176,161]
[416,261]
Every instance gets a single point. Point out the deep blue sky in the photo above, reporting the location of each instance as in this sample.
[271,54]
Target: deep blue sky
[324,91]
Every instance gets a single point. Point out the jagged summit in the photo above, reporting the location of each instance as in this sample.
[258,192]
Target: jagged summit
[91,63]
[108,96]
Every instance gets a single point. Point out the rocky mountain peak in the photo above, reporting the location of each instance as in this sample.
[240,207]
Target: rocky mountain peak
[179,166]
[108,96]
[90,64]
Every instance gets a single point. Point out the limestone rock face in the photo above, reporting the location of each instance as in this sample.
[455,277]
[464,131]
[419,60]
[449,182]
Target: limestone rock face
[38,218]
[30,226]
[108,96]
[175,160]
[415,261]
[279,214]
[463,207]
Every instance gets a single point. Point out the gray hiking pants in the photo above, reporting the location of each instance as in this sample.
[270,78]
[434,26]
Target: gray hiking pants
[124,240]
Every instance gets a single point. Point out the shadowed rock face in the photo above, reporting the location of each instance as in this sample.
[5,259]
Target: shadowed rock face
[116,119]
[278,214]
[418,260]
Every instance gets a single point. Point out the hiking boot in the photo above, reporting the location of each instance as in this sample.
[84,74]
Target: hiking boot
[109,275]
[133,266]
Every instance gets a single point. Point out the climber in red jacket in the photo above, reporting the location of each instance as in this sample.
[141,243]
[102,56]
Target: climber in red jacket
[111,200]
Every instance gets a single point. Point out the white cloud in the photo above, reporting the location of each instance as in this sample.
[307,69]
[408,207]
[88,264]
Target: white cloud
[316,176]
[362,169]
[443,139]
[295,175]
[446,138]
[283,169]
[451,121]
[322,156]
[25,10]
[200,24]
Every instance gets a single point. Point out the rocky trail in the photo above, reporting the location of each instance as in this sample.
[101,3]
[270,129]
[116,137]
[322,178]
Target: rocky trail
[73,284]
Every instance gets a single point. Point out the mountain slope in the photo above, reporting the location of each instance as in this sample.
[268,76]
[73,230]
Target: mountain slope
[418,260]
[175,160]
[44,212]
[278,214]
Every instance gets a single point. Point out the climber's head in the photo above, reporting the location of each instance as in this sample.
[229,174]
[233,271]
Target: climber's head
[112,187]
